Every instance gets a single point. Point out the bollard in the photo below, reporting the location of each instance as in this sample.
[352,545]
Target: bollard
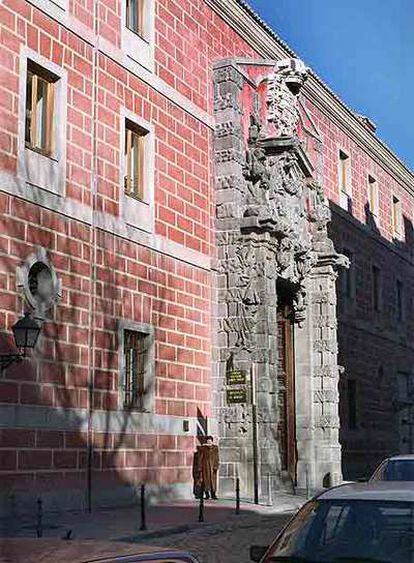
[237,495]
[269,489]
[12,521]
[143,518]
[39,526]
[201,506]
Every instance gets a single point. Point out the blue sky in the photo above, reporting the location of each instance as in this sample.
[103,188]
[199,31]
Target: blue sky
[364,50]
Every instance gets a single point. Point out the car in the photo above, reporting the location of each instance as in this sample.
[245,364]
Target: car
[395,468]
[45,550]
[360,522]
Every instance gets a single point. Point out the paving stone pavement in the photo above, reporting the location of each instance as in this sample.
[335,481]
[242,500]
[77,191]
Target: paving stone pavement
[226,543]
[223,537]
[124,522]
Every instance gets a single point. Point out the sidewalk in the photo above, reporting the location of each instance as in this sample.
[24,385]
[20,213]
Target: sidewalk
[161,519]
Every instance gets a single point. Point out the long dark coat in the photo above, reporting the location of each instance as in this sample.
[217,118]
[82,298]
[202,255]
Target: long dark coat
[205,467]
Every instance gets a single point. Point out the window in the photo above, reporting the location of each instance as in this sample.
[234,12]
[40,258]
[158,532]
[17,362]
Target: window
[396,216]
[134,160]
[40,104]
[135,16]
[136,174]
[42,128]
[344,180]
[347,276]
[136,349]
[380,375]
[334,524]
[400,300]
[352,411]
[373,199]
[138,34]
[344,173]
[376,288]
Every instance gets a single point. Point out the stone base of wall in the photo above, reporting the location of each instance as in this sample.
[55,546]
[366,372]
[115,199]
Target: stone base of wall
[20,507]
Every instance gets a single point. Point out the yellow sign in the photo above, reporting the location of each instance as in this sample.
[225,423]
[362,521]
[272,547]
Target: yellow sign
[235,396]
[236,377]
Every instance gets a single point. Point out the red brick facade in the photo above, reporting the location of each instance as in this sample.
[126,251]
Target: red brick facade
[161,278]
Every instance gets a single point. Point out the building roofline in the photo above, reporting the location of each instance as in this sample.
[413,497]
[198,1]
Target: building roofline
[268,44]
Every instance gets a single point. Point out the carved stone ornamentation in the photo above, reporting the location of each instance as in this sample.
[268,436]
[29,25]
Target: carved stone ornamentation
[38,283]
[282,95]
[327,422]
[244,273]
[326,396]
[272,242]
[275,205]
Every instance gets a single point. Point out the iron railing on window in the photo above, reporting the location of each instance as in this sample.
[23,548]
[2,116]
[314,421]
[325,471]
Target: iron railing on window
[135,355]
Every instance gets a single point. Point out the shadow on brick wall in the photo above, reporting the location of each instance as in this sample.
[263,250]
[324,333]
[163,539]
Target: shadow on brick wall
[69,441]
[375,328]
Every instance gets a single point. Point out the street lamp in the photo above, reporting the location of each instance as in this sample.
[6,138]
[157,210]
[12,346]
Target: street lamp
[26,332]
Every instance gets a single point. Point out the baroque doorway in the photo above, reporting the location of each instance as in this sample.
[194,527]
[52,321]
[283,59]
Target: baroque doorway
[275,283]
[286,392]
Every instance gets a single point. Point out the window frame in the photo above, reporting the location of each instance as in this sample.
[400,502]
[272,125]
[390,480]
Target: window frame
[373,199]
[396,216]
[344,180]
[139,29]
[41,171]
[138,213]
[135,359]
[399,300]
[38,74]
[132,131]
[348,283]
[344,172]
[352,406]
[139,47]
[376,288]
[147,403]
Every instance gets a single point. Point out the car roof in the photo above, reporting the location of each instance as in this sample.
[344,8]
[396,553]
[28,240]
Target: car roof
[377,490]
[48,550]
[401,457]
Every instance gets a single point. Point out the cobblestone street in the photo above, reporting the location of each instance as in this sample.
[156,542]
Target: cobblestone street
[226,543]
[224,537]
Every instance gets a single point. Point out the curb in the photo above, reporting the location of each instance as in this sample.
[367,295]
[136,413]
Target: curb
[202,526]
[182,528]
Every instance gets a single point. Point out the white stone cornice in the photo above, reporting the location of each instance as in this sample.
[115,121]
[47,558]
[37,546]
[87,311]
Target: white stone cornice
[347,121]
[268,45]
[72,209]
[73,25]
[237,17]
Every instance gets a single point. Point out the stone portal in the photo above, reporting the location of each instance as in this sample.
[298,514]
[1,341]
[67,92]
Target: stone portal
[276,372]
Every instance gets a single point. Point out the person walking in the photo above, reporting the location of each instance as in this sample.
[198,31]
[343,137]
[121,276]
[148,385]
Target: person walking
[205,467]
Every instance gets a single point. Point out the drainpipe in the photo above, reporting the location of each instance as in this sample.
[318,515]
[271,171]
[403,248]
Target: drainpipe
[255,444]
[92,242]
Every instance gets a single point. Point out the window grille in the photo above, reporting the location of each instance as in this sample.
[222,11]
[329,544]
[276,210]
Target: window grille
[136,357]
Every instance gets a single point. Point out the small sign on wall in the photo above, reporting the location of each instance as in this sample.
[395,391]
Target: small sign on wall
[236,377]
[236,396]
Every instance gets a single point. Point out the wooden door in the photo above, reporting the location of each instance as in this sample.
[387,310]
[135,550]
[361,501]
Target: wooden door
[286,393]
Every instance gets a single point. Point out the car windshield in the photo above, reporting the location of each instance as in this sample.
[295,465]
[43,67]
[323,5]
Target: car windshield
[399,470]
[348,530]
